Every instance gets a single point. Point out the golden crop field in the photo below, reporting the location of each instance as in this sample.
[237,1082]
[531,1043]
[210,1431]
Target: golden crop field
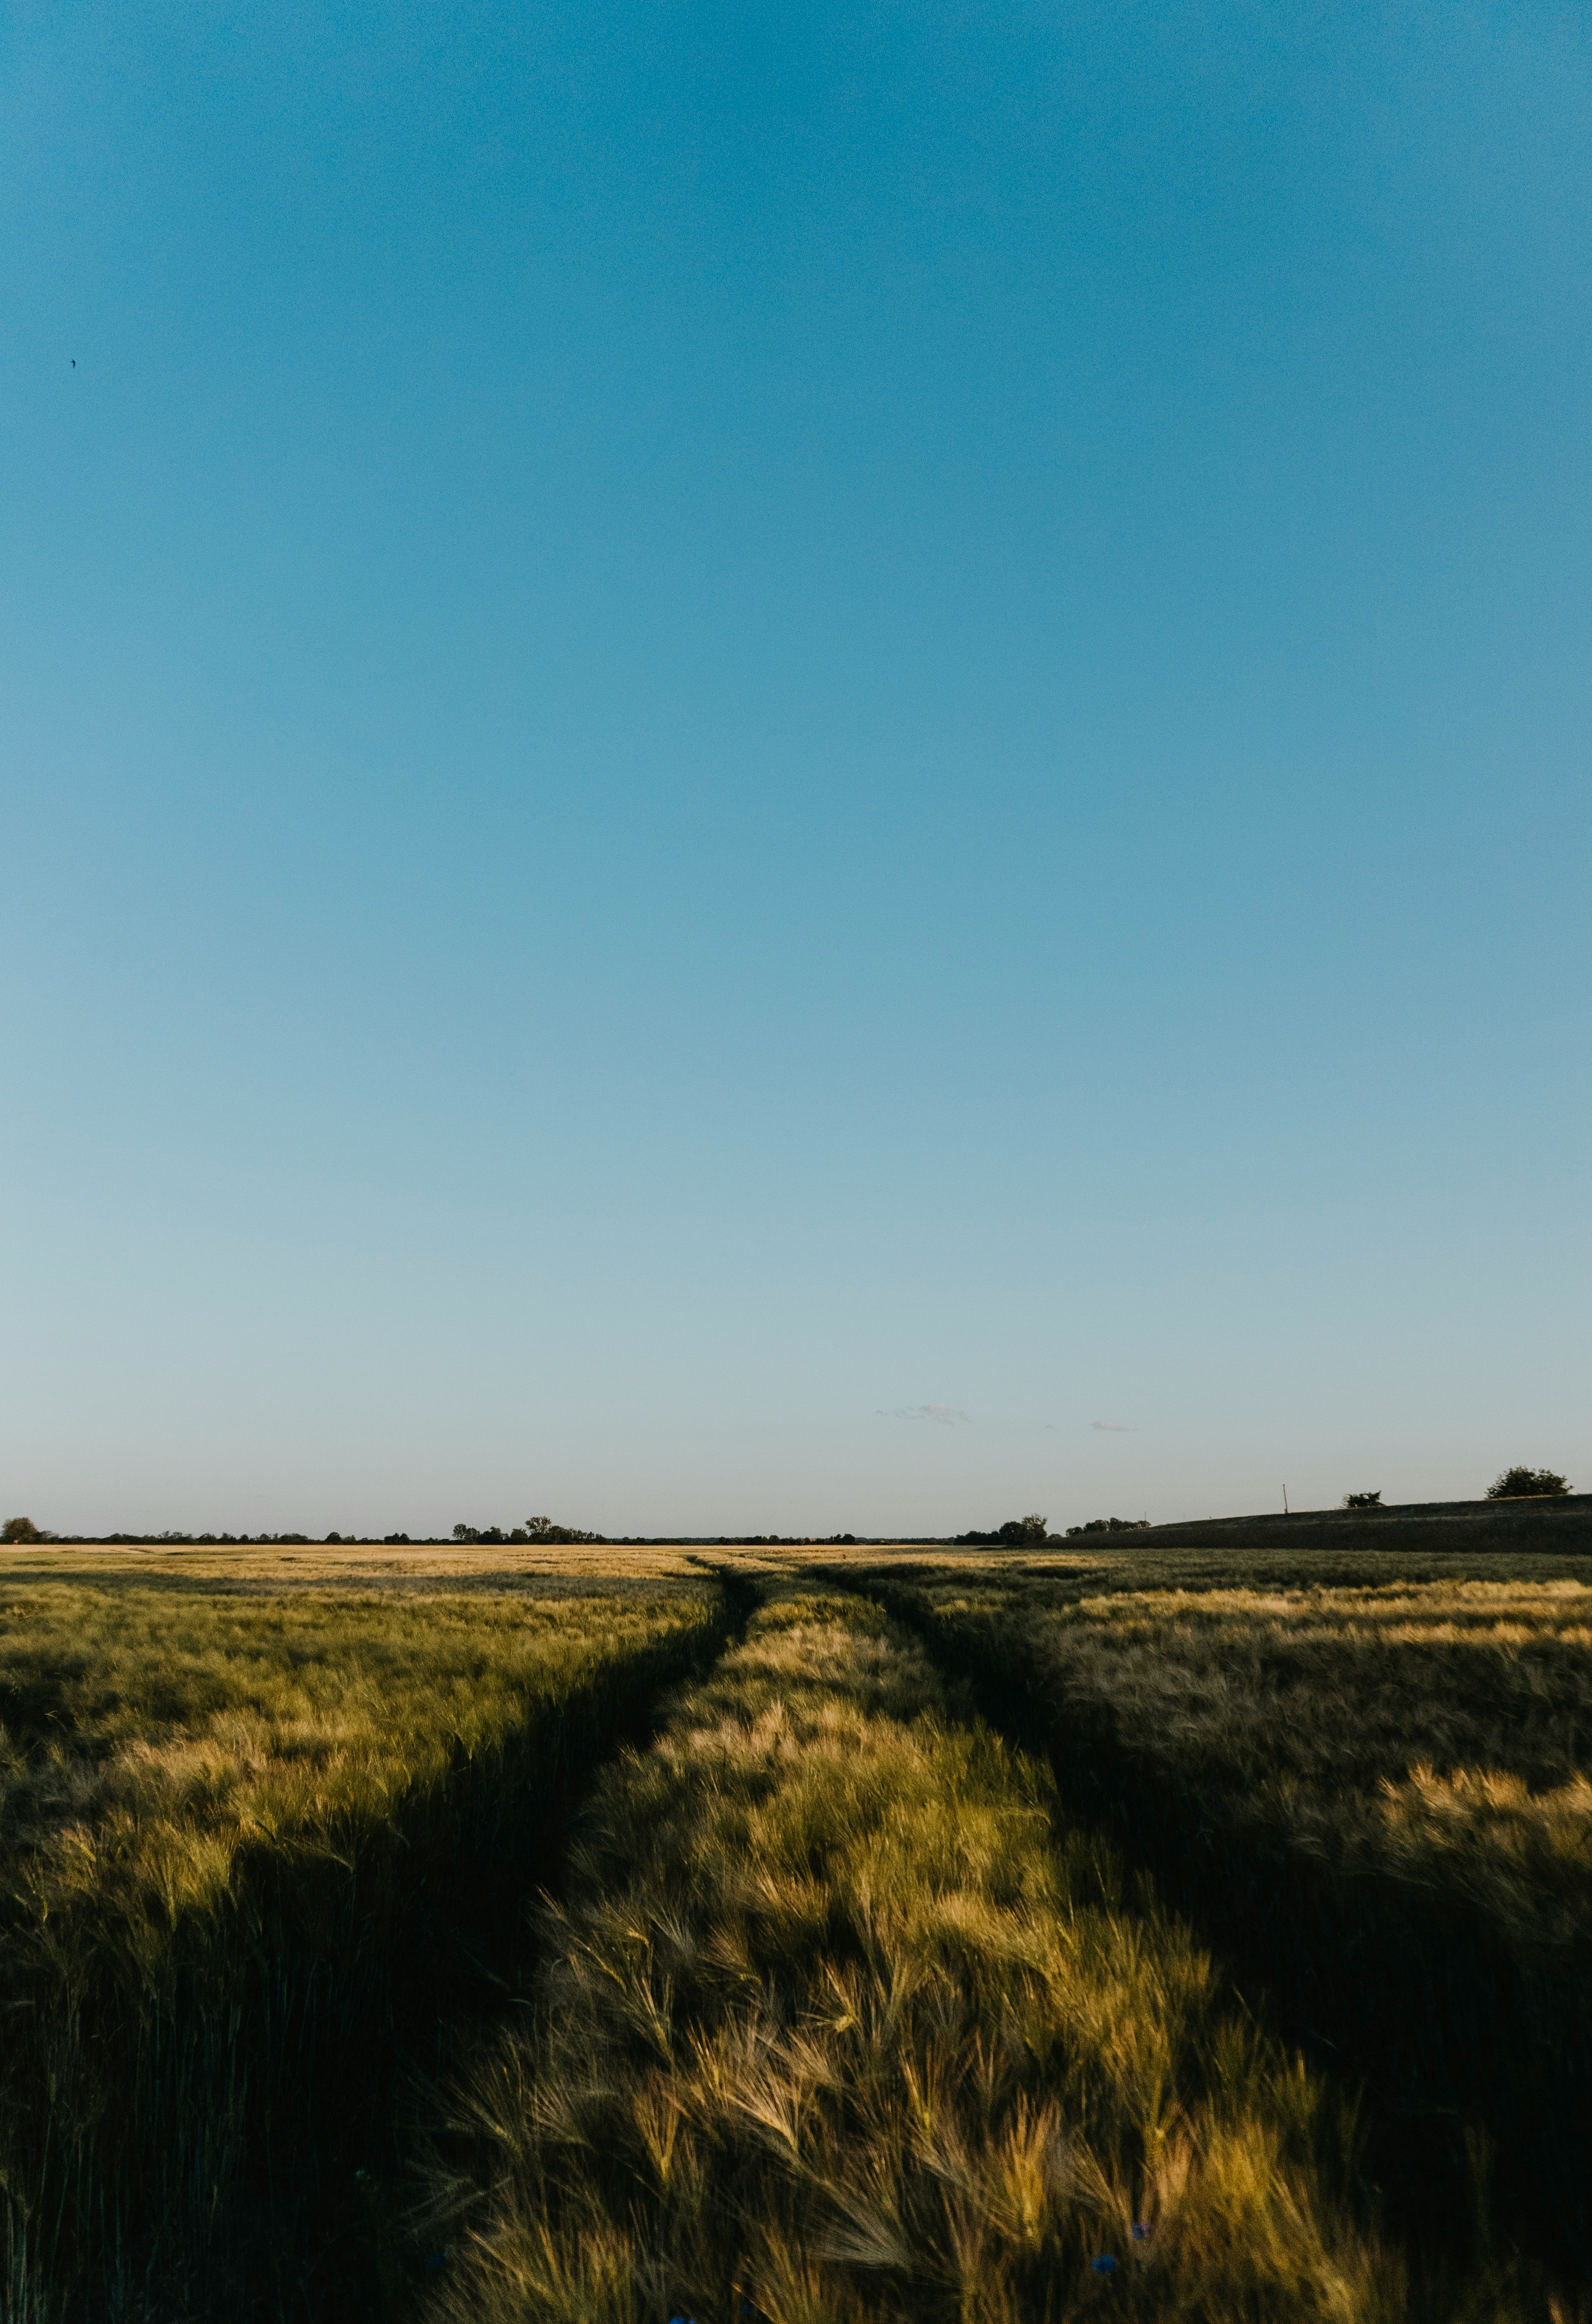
[1434,1732]
[236,1812]
[779,1935]
[427,1567]
[834,2023]
[1370,1793]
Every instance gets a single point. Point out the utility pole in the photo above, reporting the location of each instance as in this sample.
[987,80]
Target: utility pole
[1285,1500]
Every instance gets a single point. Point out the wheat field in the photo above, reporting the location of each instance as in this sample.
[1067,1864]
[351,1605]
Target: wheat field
[228,1819]
[1369,1792]
[587,1933]
[836,2026]
[1437,1733]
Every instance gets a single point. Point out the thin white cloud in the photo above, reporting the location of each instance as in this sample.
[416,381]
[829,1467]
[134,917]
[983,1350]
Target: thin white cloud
[1111,1427]
[943,1415]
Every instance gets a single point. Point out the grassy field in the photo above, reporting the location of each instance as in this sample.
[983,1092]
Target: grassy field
[1435,1733]
[251,1569]
[834,2027]
[1370,1792]
[896,1957]
[250,1833]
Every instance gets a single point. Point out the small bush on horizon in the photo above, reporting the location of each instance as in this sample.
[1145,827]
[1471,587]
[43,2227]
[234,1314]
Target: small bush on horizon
[1362,1500]
[1015,1534]
[1528,1484]
[1029,1528]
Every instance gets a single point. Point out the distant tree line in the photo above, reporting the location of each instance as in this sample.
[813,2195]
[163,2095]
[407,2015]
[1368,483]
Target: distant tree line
[534,1529]
[1030,1532]
[1016,1533]
[19,1530]
[1515,1484]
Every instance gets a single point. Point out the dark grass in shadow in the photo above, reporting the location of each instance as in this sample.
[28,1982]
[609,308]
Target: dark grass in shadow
[249,2167]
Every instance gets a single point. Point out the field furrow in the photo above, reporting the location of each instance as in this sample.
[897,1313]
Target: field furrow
[836,2023]
[1372,1801]
[260,1853]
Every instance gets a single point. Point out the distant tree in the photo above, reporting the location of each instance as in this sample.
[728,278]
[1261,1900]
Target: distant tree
[465,1533]
[333,1537]
[1108,1525]
[1017,1531]
[20,1529]
[540,1529]
[1362,1500]
[1527,1484]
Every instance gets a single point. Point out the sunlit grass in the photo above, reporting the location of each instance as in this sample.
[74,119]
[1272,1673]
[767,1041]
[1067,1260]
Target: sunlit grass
[150,1740]
[1370,1791]
[834,2024]
[839,2014]
[1437,1733]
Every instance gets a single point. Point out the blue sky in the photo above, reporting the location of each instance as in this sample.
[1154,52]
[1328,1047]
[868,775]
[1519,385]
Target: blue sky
[754,759]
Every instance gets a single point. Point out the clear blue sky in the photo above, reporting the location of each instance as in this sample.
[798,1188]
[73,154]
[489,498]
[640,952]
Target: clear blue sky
[754,758]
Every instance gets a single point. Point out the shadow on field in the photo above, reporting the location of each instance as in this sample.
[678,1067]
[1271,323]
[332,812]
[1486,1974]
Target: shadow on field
[1475,2060]
[258,2173]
